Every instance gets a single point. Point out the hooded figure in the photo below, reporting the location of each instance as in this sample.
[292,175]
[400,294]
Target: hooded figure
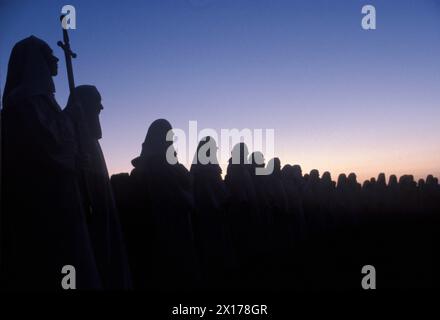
[312,202]
[43,221]
[238,179]
[281,229]
[292,181]
[210,223]
[290,177]
[256,160]
[326,196]
[246,223]
[209,189]
[276,191]
[103,221]
[164,205]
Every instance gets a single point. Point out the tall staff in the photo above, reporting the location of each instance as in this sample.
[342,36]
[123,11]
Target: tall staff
[68,55]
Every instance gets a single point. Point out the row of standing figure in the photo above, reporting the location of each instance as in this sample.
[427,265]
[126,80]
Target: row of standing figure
[276,231]
[162,227]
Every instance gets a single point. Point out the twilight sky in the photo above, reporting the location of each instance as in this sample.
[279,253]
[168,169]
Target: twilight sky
[339,98]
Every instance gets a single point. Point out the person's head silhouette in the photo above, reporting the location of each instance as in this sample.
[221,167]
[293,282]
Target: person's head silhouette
[88,99]
[158,143]
[239,154]
[314,176]
[206,152]
[366,185]
[274,166]
[342,181]
[30,70]
[326,178]
[352,179]
[297,171]
[256,159]
[392,181]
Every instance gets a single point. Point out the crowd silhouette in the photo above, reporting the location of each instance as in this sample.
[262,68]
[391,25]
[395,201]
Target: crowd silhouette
[164,228]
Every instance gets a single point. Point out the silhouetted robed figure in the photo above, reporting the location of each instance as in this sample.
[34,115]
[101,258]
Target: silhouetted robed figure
[244,216]
[211,226]
[159,213]
[83,108]
[43,221]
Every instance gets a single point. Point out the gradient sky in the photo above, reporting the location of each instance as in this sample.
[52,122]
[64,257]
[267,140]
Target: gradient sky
[339,98]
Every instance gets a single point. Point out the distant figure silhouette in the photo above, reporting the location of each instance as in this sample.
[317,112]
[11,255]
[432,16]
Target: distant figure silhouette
[292,181]
[163,197]
[104,227]
[244,216]
[256,160]
[281,231]
[264,243]
[312,202]
[43,223]
[277,195]
[238,180]
[210,221]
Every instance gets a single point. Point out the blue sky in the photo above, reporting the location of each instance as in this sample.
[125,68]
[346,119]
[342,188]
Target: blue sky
[338,97]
